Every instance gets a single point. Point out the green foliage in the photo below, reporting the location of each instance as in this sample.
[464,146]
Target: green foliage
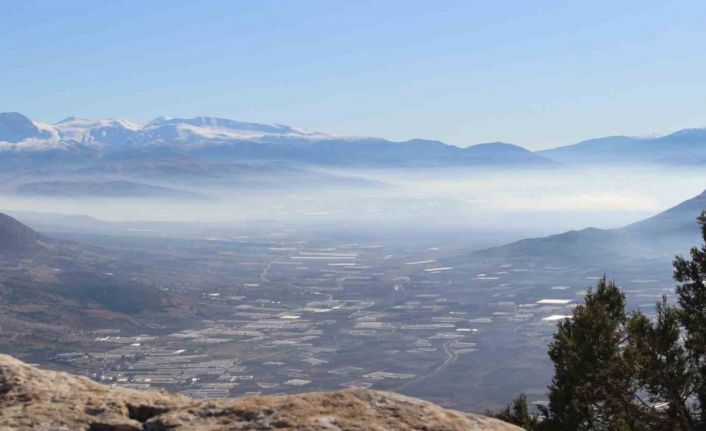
[517,413]
[590,375]
[625,371]
[691,294]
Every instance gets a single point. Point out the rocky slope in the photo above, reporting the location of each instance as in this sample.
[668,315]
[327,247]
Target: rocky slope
[45,400]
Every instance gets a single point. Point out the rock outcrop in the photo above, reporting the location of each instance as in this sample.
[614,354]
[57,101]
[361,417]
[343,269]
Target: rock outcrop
[35,399]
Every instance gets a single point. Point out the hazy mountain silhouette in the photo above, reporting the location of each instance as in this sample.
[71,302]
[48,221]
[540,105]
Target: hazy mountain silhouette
[16,238]
[687,147]
[107,189]
[666,234]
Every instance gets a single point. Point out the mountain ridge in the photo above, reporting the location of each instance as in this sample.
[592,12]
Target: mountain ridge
[203,133]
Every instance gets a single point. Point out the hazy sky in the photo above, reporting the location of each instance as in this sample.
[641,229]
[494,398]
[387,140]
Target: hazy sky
[535,73]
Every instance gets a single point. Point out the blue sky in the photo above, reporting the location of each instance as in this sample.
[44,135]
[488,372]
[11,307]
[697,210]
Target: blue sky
[534,73]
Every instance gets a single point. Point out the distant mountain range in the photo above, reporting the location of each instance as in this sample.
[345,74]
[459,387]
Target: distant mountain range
[662,236]
[685,147]
[205,142]
[77,143]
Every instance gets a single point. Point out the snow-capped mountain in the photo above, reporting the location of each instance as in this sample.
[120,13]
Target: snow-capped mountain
[210,130]
[216,140]
[110,131]
[18,131]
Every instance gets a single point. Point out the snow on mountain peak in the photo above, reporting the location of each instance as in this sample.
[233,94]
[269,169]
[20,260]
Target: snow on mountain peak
[18,132]
[221,129]
[109,131]
[16,128]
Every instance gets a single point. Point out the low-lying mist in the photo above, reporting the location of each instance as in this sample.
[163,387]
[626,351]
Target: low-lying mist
[488,206]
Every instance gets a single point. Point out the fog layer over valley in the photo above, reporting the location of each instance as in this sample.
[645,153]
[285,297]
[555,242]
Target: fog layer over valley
[505,204]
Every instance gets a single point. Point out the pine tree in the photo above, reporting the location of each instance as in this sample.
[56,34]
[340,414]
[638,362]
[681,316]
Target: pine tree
[661,369]
[590,383]
[691,294]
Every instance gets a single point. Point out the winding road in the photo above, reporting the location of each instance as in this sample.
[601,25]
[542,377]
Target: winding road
[451,356]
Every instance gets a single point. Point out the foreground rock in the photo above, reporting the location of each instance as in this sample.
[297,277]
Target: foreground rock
[45,400]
